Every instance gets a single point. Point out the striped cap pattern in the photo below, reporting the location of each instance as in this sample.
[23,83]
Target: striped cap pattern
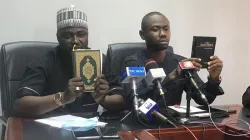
[70,17]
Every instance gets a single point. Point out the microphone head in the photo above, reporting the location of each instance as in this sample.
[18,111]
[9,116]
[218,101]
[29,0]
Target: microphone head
[140,101]
[185,65]
[153,72]
[132,72]
[150,64]
[146,109]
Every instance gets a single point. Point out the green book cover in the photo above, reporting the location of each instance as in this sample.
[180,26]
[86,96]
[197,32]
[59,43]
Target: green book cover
[87,65]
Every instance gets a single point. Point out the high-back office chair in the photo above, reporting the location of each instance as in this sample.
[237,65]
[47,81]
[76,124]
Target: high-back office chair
[117,53]
[13,60]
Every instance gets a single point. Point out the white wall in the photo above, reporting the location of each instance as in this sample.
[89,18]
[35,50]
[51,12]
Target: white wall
[112,21]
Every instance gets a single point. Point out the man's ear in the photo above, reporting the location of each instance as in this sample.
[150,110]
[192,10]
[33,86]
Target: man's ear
[57,36]
[142,34]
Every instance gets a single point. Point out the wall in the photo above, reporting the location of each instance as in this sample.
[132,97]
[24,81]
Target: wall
[112,21]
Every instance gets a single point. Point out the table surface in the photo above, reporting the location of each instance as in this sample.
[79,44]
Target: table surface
[28,129]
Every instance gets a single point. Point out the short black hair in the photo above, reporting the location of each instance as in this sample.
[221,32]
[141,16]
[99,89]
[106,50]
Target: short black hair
[145,19]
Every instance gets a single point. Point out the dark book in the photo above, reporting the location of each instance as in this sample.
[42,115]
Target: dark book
[87,65]
[203,48]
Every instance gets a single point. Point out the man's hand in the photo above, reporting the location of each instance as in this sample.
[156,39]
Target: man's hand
[215,67]
[75,89]
[101,89]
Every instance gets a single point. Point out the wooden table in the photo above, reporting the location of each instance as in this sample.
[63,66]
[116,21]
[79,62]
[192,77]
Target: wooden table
[14,129]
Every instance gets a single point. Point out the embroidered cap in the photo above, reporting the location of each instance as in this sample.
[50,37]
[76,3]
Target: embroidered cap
[70,17]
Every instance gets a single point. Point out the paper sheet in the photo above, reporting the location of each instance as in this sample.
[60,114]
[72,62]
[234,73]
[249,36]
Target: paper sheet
[201,115]
[182,109]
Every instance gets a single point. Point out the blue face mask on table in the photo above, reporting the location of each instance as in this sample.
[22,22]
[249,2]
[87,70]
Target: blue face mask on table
[80,125]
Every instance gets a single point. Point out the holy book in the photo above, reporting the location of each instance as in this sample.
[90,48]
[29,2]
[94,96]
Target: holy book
[87,65]
[203,47]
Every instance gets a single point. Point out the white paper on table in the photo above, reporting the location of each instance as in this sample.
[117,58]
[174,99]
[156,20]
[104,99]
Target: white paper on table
[182,109]
[201,115]
[59,121]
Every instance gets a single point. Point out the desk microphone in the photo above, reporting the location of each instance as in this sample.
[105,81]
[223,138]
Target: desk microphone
[187,67]
[155,76]
[149,108]
[133,75]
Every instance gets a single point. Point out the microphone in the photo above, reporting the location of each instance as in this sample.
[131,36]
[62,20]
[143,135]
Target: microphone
[133,75]
[155,75]
[149,108]
[186,67]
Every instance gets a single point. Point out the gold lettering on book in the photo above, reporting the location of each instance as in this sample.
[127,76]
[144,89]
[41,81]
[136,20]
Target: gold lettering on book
[206,44]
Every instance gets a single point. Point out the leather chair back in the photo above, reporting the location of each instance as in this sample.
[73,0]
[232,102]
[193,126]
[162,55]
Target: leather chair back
[117,53]
[14,59]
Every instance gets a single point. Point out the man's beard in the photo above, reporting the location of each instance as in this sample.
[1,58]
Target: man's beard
[157,47]
[68,50]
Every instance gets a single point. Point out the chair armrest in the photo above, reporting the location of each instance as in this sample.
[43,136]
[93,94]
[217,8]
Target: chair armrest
[3,120]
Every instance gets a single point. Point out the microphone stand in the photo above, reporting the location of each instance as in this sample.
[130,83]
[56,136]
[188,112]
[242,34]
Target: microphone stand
[119,88]
[189,93]
[135,100]
[134,88]
[140,102]
[188,96]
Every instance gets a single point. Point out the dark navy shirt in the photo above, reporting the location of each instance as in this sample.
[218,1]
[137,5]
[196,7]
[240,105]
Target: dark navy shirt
[246,98]
[173,90]
[48,75]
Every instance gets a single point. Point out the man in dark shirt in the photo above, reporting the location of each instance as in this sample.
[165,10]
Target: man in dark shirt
[155,30]
[246,98]
[48,85]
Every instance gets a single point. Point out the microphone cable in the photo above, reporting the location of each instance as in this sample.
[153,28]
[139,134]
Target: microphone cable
[164,100]
[210,115]
[190,132]
[138,118]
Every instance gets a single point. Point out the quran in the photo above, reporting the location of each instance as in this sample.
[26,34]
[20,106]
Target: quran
[87,65]
[203,47]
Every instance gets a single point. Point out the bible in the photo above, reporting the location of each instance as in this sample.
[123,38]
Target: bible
[203,47]
[87,65]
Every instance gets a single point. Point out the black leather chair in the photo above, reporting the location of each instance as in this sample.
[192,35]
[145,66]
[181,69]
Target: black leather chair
[117,53]
[13,60]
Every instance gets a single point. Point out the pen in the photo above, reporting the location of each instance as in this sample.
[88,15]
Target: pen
[99,131]
[89,104]
[178,106]
[73,49]
[182,107]
[125,116]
